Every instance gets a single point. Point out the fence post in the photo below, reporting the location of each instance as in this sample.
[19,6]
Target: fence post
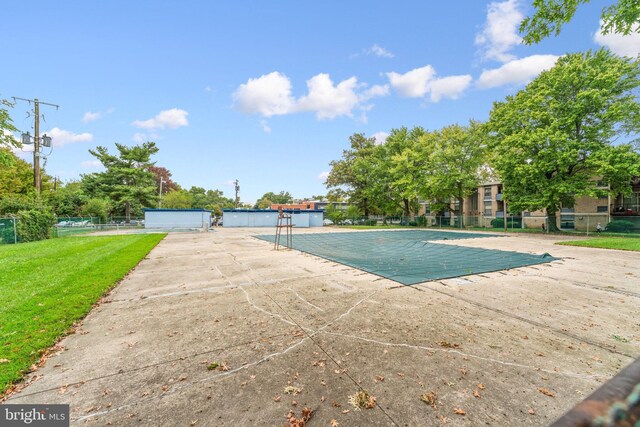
[15,231]
[587,225]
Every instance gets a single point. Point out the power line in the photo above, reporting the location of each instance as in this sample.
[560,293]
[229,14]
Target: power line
[26,138]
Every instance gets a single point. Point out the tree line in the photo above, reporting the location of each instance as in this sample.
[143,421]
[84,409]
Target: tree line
[571,129]
[129,183]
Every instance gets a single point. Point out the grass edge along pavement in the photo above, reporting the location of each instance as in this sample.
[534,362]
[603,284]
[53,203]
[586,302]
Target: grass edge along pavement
[47,286]
[619,243]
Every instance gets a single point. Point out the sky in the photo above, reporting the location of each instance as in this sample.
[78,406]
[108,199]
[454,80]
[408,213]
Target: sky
[264,92]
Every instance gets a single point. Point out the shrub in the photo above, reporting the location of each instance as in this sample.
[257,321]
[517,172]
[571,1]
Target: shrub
[621,226]
[12,204]
[413,224]
[35,224]
[96,208]
[371,222]
[422,221]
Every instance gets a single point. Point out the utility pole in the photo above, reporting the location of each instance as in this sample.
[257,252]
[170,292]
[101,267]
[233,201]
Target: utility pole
[237,186]
[37,181]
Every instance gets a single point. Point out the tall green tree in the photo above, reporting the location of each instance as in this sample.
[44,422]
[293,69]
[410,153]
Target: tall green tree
[350,176]
[399,171]
[180,199]
[213,200]
[456,155]
[270,198]
[16,175]
[6,133]
[550,140]
[622,17]
[68,199]
[127,180]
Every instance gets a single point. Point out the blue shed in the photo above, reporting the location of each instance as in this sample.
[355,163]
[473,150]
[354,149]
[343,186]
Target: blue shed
[177,218]
[269,218]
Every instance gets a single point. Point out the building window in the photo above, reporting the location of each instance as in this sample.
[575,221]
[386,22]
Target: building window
[487,192]
[602,209]
[487,208]
[473,201]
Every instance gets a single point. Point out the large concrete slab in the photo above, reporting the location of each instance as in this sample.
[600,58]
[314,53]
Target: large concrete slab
[289,330]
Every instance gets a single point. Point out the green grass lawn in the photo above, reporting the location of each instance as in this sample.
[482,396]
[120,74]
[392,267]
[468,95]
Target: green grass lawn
[48,285]
[622,243]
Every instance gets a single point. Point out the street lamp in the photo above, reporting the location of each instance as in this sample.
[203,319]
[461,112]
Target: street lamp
[160,194]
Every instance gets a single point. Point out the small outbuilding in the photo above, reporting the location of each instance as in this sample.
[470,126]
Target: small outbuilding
[269,218]
[177,218]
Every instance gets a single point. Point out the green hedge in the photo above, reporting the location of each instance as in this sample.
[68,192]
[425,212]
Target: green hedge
[35,224]
[621,226]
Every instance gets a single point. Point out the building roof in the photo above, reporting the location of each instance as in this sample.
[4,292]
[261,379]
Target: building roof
[175,210]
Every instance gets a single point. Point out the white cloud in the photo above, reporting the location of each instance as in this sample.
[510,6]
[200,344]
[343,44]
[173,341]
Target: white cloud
[500,32]
[421,82]
[448,87]
[60,137]
[374,91]
[323,176]
[380,137]
[329,101]
[269,95]
[91,164]
[518,71]
[90,117]
[172,119]
[265,126]
[139,137]
[379,51]
[619,44]
[412,84]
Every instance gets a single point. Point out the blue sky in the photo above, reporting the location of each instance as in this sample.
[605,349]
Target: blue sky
[264,92]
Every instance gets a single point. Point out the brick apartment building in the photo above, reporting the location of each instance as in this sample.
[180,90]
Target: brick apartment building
[486,204]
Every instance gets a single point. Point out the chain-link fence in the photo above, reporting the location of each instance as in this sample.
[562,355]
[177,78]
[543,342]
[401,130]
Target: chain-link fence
[68,225]
[566,221]
[8,231]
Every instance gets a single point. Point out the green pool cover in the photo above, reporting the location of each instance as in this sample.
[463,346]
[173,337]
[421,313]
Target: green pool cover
[410,257]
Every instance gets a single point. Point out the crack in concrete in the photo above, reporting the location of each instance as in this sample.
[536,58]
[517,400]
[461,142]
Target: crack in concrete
[473,356]
[236,370]
[304,300]
[252,304]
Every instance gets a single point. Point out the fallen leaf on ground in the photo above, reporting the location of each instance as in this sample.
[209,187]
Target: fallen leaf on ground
[531,411]
[476,393]
[430,398]
[362,399]
[481,386]
[334,423]
[292,390]
[447,344]
[459,411]
[546,392]
[4,361]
